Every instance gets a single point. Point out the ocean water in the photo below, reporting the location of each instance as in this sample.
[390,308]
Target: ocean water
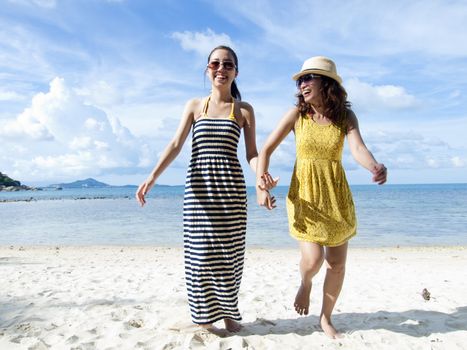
[389,215]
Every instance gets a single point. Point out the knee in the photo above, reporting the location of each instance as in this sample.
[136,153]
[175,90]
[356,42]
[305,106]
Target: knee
[311,265]
[336,267]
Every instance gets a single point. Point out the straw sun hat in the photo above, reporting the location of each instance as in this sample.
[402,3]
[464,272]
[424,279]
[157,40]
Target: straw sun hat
[319,65]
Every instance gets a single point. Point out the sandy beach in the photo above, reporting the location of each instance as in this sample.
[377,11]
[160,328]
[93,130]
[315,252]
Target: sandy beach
[134,298]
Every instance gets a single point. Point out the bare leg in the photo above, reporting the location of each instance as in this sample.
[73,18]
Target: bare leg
[312,256]
[335,261]
[231,325]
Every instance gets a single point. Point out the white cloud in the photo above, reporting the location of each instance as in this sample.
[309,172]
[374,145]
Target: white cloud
[370,97]
[458,162]
[10,96]
[102,93]
[64,137]
[356,28]
[30,56]
[411,150]
[201,42]
[82,142]
[93,124]
[432,163]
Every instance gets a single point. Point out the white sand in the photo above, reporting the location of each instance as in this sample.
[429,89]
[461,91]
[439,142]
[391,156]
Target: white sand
[134,298]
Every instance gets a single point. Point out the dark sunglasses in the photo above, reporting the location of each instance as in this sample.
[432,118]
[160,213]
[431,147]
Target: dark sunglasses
[307,78]
[228,65]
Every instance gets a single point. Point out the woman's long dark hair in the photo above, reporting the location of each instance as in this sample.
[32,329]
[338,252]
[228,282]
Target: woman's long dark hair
[233,89]
[335,102]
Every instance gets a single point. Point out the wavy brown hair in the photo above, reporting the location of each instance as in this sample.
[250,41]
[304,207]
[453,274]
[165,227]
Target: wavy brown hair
[335,102]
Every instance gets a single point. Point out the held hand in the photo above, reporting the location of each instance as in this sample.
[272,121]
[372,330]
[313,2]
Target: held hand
[265,199]
[143,190]
[380,173]
[267,182]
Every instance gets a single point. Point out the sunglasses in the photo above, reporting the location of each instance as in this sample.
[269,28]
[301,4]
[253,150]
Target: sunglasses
[307,78]
[228,65]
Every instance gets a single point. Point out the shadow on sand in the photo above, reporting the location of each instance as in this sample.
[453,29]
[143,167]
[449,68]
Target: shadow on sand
[415,323]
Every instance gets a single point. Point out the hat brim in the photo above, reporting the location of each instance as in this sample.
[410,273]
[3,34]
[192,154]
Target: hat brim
[320,72]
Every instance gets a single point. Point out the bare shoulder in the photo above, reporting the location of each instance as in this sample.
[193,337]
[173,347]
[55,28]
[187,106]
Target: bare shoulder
[245,106]
[194,107]
[352,121]
[292,114]
[294,111]
[351,115]
[247,114]
[194,104]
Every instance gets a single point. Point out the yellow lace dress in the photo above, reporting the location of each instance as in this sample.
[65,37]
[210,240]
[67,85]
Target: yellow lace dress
[320,207]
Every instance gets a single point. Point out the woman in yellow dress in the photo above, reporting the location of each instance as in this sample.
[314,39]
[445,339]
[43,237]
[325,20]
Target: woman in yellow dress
[320,207]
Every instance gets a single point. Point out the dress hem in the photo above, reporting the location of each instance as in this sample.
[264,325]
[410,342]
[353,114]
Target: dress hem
[303,239]
[214,320]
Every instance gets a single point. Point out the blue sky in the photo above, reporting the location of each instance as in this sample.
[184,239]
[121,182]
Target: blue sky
[96,88]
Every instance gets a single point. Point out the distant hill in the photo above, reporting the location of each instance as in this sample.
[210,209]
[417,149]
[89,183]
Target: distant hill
[5,180]
[87,183]
[8,184]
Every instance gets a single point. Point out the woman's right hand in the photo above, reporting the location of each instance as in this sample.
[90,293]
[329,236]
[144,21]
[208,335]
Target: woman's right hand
[265,199]
[267,182]
[380,173]
[143,190]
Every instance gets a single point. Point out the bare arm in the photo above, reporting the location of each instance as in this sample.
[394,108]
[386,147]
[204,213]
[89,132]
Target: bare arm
[249,130]
[171,151]
[284,127]
[361,153]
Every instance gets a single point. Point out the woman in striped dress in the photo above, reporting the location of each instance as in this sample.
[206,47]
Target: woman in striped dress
[214,210]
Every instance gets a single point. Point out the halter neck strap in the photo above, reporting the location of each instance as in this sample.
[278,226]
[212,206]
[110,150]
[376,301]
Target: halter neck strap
[204,113]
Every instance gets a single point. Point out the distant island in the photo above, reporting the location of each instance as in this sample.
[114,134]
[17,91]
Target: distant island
[8,184]
[86,183]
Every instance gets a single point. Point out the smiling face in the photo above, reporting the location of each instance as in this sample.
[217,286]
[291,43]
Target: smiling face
[311,90]
[222,68]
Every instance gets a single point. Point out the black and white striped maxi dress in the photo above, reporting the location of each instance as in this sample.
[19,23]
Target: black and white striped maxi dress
[214,220]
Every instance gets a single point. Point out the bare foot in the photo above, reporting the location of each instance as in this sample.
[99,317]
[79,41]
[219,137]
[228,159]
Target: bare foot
[329,329]
[215,330]
[302,299]
[231,325]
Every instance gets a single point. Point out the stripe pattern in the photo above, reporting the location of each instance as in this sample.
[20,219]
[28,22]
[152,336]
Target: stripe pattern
[214,221]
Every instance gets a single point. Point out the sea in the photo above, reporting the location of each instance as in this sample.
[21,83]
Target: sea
[388,216]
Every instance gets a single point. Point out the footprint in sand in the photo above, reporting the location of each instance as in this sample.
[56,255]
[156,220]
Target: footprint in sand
[25,327]
[136,323]
[40,345]
[197,340]
[85,346]
[426,294]
[73,339]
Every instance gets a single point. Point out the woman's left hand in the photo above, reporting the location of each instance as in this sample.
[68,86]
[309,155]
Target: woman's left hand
[380,173]
[265,199]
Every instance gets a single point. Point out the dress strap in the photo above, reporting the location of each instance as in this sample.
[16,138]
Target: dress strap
[232,114]
[204,112]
